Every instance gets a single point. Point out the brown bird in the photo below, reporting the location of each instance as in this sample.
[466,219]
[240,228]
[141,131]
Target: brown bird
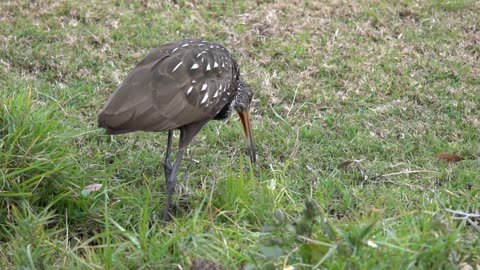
[180,85]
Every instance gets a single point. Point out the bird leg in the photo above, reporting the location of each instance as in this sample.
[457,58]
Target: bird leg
[186,135]
[167,166]
[171,182]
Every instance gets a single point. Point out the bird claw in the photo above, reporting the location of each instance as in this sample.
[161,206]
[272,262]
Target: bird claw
[166,216]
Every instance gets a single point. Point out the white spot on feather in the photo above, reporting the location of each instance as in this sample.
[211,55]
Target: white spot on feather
[174,50]
[215,64]
[204,87]
[216,94]
[198,55]
[189,90]
[194,66]
[193,81]
[208,66]
[204,98]
[185,45]
[175,68]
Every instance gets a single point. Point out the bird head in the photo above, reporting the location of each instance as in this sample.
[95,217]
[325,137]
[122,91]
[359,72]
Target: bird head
[243,98]
[241,104]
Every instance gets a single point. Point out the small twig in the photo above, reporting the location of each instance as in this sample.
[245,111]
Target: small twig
[295,146]
[471,218]
[468,217]
[408,172]
[303,105]
[328,254]
[334,38]
[399,184]
[473,224]
[315,242]
[279,116]
[459,214]
[81,134]
[293,100]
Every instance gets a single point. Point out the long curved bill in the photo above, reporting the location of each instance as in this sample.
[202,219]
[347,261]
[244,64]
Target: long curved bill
[245,118]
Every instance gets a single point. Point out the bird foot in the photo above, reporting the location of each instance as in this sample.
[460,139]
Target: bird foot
[170,190]
[166,215]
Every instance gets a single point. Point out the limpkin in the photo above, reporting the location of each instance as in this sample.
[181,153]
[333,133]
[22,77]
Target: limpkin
[180,85]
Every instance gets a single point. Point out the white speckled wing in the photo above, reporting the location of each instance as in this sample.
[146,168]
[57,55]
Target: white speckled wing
[175,85]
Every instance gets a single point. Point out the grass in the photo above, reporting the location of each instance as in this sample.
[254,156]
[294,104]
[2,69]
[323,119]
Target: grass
[353,100]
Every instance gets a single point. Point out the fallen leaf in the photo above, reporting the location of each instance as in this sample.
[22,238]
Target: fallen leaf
[449,158]
[349,163]
[344,164]
[93,187]
[201,264]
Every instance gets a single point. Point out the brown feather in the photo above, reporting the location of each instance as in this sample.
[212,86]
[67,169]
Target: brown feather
[174,85]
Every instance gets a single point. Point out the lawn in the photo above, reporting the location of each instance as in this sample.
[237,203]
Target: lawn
[356,104]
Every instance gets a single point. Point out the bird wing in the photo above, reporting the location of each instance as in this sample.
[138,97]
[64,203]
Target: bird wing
[174,85]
